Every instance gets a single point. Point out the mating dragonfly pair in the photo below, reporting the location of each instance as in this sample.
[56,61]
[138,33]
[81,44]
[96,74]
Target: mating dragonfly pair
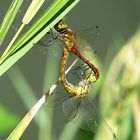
[76,103]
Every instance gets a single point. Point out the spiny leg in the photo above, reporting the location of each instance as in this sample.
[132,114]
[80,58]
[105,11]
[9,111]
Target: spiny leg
[80,71]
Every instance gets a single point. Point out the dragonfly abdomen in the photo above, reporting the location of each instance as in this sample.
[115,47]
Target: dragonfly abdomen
[76,52]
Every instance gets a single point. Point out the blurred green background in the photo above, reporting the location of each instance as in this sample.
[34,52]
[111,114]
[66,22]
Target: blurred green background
[118,58]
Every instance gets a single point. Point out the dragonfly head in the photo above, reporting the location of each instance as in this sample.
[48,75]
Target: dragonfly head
[61,26]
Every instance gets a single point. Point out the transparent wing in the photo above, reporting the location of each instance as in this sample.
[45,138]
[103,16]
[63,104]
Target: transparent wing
[82,37]
[70,108]
[92,119]
[86,36]
[50,44]
[85,115]
[49,39]
[82,114]
[56,99]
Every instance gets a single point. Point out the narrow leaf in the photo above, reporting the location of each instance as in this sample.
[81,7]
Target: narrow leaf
[8,19]
[18,131]
[36,32]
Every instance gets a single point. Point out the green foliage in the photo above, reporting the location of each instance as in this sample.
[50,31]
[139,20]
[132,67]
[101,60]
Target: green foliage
[36,32]
[8,120]
[8,19]
[117,90]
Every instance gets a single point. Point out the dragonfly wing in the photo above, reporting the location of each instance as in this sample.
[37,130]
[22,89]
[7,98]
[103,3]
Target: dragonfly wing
[50,43]
[74,112]
[48,39]
[90,33]
[85,114]
[70,108]
[56,99]
[82,114]
[86,36]
[93,119]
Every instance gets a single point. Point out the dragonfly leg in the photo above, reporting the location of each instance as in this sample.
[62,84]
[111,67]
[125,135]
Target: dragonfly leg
[53,34]
[53,37]
[75,73]
[80,71]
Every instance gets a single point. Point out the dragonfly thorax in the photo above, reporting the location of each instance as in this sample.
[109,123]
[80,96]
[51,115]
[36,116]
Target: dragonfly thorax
[68,39]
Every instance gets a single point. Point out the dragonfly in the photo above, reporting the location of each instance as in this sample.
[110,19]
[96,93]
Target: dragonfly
[67,36]
[81,90]
[77,105]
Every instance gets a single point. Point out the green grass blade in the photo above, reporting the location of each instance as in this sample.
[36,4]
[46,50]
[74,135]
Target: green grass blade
[28,98]
[36,32]
[30,13]
[8,19]
[10,61]
[56,12]
[18,131]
